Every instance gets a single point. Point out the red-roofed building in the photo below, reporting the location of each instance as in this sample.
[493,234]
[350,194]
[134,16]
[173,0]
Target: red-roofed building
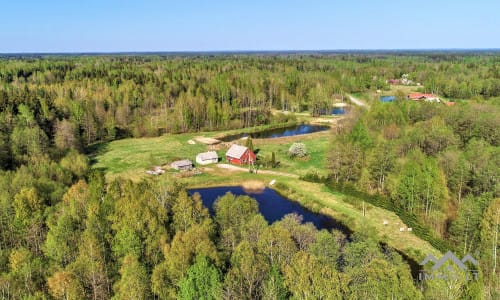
[424,97]
[240,155]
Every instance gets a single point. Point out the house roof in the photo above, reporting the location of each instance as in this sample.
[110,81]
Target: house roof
[182,163]
[420,96]
[208,155]
[236,151]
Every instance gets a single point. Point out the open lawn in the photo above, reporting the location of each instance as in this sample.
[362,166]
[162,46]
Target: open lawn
[129,158]
[316,144]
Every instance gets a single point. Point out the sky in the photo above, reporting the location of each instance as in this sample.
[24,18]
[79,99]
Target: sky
[234,25]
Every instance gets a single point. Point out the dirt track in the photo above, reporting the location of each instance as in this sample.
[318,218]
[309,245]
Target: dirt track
[241,169]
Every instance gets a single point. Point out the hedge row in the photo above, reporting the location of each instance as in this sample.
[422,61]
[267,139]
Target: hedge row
[422,231]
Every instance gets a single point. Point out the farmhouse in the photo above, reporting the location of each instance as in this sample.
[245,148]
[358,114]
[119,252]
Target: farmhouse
[184,164]
[240,155]
[206,158]
[424,97]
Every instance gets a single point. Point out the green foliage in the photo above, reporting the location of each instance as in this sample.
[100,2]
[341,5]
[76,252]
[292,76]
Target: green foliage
[359,136]
[76,163]
[188,211]
[249,143]
[231,215]
[274,286]
[203,281]
[247,273]
[133,283]
[490,255]
[66,233]
[306,278]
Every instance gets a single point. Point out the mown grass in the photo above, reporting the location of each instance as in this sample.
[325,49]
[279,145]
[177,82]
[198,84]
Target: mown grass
[131,157]
[317,147]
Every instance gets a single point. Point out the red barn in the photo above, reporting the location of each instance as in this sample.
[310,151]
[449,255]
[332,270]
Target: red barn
[240,155]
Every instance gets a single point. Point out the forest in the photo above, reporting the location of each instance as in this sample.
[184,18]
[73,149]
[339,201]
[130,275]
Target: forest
[68,233]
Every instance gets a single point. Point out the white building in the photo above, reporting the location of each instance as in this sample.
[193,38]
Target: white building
[206,158]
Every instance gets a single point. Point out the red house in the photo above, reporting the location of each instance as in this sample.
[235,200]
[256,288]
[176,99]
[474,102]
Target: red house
[425,97]
[240,155]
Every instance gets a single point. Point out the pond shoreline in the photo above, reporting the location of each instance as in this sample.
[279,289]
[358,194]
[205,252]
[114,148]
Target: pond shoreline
[289,130]
[287,193]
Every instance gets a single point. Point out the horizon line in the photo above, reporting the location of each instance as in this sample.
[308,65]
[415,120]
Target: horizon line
[288,51]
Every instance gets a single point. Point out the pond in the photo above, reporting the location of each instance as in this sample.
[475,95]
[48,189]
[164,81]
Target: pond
[272,206]
[278,132]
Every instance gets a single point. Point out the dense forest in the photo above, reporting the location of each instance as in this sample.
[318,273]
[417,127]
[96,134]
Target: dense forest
[67,233]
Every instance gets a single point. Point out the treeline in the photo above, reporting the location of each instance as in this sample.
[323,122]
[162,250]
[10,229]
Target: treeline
[434,163]
[98,98]
[67,234]
[125,240]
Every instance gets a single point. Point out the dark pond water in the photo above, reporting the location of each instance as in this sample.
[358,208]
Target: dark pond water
[279,132]
[338,111]
[272,206]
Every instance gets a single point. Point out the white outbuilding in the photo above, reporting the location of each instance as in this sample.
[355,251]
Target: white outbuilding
[206,158]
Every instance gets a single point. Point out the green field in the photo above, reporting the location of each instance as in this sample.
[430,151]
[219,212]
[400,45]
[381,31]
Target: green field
[129,158]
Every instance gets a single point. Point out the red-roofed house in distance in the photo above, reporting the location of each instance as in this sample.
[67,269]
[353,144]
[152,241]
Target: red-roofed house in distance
[240,155]
[423,97]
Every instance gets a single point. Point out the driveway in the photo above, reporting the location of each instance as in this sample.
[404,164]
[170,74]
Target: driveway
[241,169]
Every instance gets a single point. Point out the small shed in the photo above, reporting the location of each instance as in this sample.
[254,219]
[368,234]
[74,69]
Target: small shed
[184,164]
[387,98]
[240,155]
[206,158]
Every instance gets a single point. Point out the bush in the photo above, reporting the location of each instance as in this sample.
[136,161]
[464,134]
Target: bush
[297,150]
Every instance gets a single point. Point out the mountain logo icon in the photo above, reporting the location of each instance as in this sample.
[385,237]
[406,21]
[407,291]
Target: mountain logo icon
[449,256]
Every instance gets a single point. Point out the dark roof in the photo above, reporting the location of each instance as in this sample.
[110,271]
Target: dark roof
[182,163]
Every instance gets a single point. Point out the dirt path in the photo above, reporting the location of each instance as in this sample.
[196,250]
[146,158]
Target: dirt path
[357,101]
[241,169]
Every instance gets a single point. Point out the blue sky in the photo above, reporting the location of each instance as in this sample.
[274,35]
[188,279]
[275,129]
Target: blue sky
[189,25]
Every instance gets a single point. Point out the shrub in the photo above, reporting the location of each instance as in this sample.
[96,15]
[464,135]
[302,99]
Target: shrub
[297,150]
